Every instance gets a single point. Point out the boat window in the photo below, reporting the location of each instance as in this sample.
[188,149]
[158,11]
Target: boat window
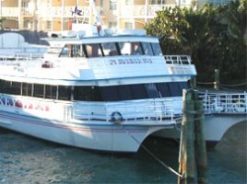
[87,93]
[26,89]
[152,91]
[183,85]
[138,91]
[163,89]
[174,89]
[50,92]
[93,50]
[147,49]
[38,90]
[10,87]
[15,88]
[109,93]
[156,49]
[64,92]
[125,92]
[72,51]
[130,48]
[110,49]
[3,86]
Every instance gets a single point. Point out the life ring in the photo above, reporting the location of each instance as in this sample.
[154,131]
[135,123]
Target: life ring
[116,117]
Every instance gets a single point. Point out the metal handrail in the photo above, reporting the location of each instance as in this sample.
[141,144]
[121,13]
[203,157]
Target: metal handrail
[178,59]
[157,110]
[232,103]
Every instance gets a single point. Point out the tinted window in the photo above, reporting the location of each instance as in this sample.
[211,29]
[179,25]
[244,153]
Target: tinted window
[110,93]
[174,89]
[64,92]
[26,89]
[130,48]
[152,91]
[183,85]
[147,49]
[93,50]
[109,49]
[138,91]
[164,89]
[38,90]
[72,51]
[156,49]
[87,93]
[50,92]
[124,92]
[15,88]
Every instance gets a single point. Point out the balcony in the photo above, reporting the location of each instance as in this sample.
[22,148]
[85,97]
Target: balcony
[10,12]
[142,11]
[58,12]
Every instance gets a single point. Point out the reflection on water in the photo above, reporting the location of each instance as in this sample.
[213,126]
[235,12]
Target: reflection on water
[28,160]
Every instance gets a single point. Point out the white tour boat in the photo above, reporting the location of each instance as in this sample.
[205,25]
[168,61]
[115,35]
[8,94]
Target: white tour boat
[97,92]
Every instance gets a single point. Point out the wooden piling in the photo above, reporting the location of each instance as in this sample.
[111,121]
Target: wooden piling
[192,154]
[200,145]
[187,166]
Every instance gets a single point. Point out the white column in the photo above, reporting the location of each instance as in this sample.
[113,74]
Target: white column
[20,18]
[118,13]
[133,18]
[62,16]
[146,11]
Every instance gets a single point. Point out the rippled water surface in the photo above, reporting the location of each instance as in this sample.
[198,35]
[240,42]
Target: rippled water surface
[25,160]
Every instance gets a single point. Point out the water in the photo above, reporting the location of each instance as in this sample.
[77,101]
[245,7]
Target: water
[25,160]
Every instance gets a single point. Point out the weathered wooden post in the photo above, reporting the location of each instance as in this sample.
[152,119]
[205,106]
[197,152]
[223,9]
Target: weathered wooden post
[187,166]
[192,154]
[217,79]
[193,82]
[200,146]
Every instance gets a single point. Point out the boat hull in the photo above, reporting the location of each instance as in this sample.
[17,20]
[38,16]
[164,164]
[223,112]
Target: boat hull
[214,127]
[91,135]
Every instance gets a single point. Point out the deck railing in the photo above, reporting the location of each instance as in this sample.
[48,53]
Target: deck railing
[224,103]
[177,59]
[157,110]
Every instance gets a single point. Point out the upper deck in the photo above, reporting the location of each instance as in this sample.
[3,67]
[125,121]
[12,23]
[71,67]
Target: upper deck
[104,60]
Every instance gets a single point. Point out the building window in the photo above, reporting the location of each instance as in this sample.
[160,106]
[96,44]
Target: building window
[113,4]
[127,2]
[157,1]
[48,25]
[112,24]
[128,25]
[101,3]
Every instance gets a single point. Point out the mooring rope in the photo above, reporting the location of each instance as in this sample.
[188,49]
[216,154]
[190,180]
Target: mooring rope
[154,156]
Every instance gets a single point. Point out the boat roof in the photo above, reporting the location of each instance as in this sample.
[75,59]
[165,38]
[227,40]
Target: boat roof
[104,39]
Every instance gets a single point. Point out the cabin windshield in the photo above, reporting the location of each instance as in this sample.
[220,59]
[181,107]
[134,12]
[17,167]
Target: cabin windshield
[70,50]
[108,49]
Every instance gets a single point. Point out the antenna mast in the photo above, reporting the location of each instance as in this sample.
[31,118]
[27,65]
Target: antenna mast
[97,21]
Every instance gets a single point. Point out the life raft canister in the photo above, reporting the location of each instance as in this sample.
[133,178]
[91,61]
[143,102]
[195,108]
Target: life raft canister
[116,117]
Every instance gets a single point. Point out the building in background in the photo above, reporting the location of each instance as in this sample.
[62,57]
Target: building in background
[58,15]
[213,2]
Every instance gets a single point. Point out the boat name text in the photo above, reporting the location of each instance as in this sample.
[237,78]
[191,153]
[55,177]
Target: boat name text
[130,61]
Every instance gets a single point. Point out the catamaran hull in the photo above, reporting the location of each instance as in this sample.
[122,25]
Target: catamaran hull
[113,138]
[214,127]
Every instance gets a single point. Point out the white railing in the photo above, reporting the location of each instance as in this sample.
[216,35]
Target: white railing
[158,110]
[178,59]
[224,103]
[142,11]
[62,11]
[10,11]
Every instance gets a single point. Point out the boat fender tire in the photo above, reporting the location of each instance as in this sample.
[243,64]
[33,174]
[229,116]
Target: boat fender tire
[116,117]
